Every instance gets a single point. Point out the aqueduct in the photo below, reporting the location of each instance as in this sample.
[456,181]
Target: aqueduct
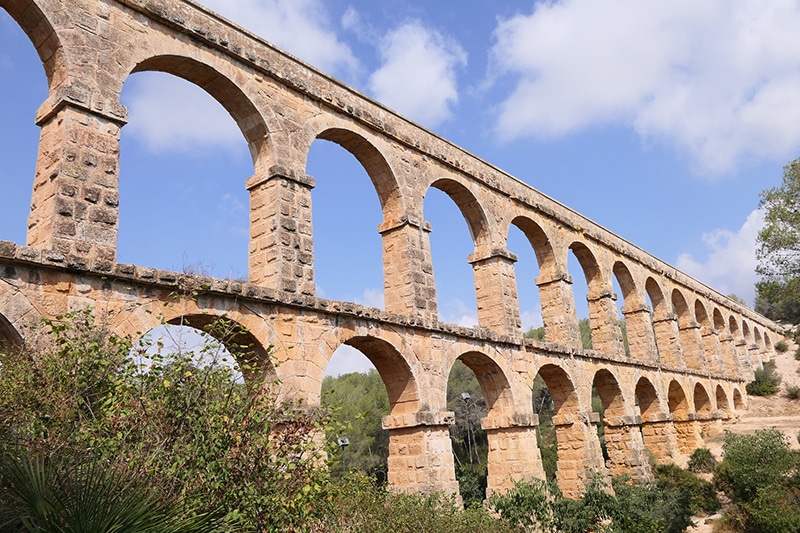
[691,349]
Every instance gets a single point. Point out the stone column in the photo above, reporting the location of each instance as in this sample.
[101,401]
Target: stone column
[420,453]
[281,251]
[75,202]
[740,349]
[670,350]
[625,447]
[513,451]
[692,343]
[558,309]
[688,432]
[754,355]
[579,452]
[713,351]
[659,436]
[730,362]
[496,291]
[408,283]
[604,321]
[641,338]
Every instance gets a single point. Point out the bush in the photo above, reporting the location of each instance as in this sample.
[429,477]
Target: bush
[797,354]
[701,494]
[187,426]
[793,392]
[781,346]
[766,381]
[702,460]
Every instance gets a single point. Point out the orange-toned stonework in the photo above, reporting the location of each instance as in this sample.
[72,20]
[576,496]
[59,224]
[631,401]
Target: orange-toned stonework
[690,352]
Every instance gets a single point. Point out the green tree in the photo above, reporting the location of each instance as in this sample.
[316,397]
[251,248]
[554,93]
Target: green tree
[358,402]
[778,249]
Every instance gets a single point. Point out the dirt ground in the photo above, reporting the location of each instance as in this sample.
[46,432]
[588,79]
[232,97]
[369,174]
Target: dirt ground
[762,413]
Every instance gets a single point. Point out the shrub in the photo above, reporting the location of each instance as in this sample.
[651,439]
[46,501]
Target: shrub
[766,381]
[781,346]
[793,392]
[701,494]
[189,427]
[702,460]
[797,354]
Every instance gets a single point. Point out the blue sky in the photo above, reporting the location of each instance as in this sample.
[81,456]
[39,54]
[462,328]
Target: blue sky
[661,121]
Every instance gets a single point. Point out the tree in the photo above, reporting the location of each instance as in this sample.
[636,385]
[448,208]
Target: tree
[778,251]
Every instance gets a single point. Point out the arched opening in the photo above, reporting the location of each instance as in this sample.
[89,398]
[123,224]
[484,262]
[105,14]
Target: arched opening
[9,336]
[688,331]
[639,327]
[475,388]
[722,400]
[709,342]
[191,141]
[738,401]
[580,259]
[525,236]
[687,430]
[347,246]
[21,98]
[451,246]
[702,402]
[355,392]
[661,316]
[607,402]
[569,448]
[678,405]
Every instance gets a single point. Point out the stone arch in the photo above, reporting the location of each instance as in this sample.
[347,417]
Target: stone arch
[9,336]
[702,401]
[494,384]
[45,40]
[610,394]
[227,93]
[374,163]
[689,332]
[722,400]
[647,397]
[469,206]
[665,327]
[641,340]
[709,341]
[252,356]
[541,244]
[397,376]
[603,316]
[738,400]
[578,446]
[687,431]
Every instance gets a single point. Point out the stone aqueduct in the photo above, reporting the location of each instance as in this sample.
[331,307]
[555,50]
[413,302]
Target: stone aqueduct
[689,355]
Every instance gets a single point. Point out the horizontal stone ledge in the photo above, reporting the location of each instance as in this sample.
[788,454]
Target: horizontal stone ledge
[576,418]
[543,280]
[621,421]
[509,421]
[283,173]
[391,225]
[420,418]
[79,98]
[655,418]
[494,253]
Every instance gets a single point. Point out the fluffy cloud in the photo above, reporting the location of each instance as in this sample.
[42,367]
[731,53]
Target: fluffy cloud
[301,27]
[717,80]
[418,73]
[730,264]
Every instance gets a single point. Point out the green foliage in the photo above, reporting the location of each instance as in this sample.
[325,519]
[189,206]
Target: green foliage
[546,431]
[358,504]
[781,346]
[760,474]
[778,252]
[62,494]
[179,419]
[701,494]
[358,402]
[766,381]
[738,299]
[793,392]
[702,460]
[537,505]
[585,329]
[535,333]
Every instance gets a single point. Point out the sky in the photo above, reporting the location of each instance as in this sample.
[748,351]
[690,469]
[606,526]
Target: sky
[661,121]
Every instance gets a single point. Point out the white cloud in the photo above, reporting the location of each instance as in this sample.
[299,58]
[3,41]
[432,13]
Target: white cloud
[717,80]
[456,312]
[418,74]
[170,114]
[531,319]
[730,263]
[347,359]
[301,27]
[371,298]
